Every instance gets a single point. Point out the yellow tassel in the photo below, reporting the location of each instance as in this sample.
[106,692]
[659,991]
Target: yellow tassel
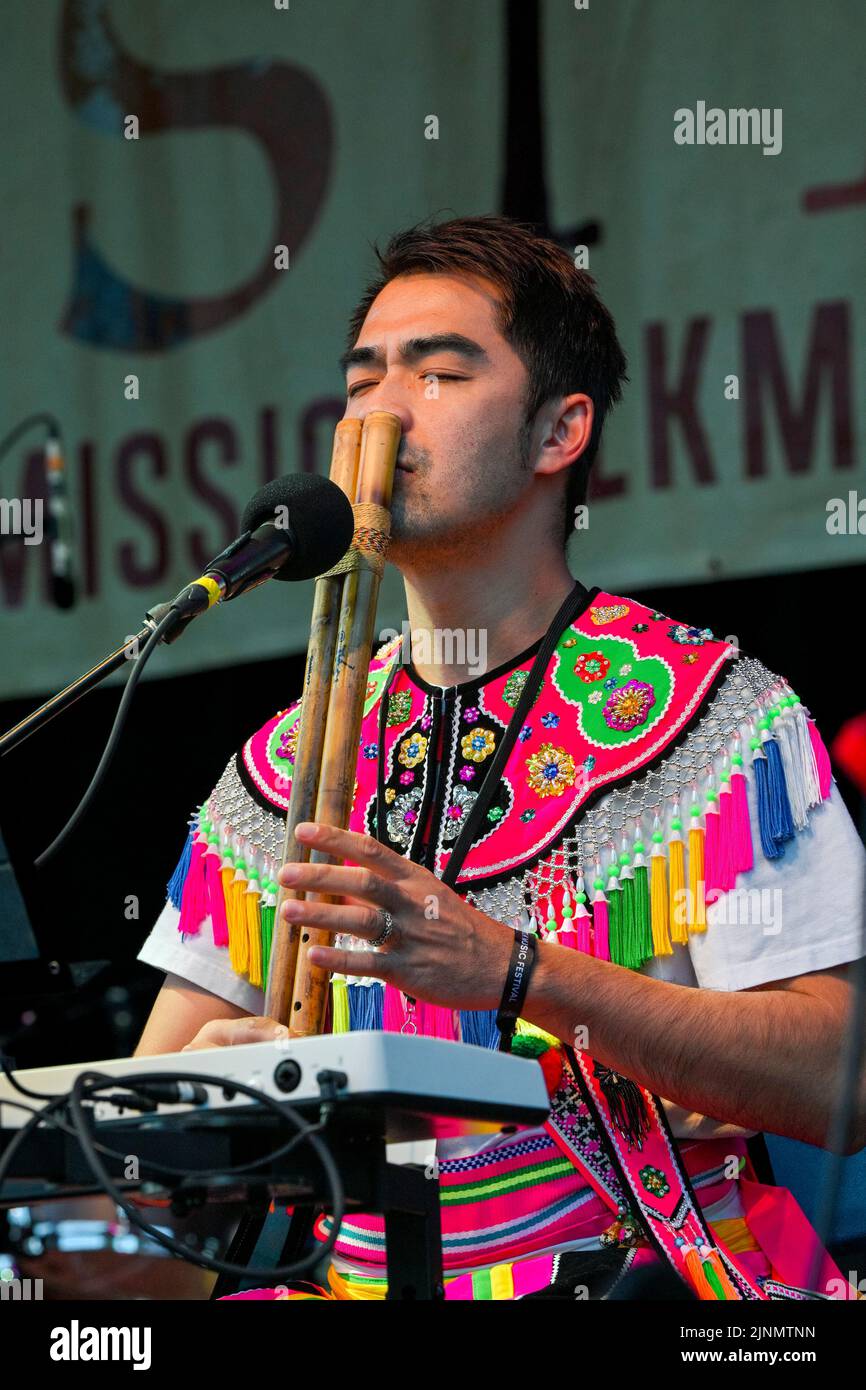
[339,1005]
[659,906]
[676,891]
[239,952]
[254,933]
[522,1026]
[697,902]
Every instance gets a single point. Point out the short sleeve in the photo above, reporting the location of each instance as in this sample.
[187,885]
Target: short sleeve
[198,959]
[788,916]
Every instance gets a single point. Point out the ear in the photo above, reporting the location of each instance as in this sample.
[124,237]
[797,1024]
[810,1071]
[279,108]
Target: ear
[565,431]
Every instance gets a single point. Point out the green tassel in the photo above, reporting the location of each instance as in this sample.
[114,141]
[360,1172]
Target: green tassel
[629,934]
[268,913]
[643,916]
[712,1279]
[614,915]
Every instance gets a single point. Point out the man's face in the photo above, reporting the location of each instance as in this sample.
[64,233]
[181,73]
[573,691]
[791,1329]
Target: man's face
[430,352]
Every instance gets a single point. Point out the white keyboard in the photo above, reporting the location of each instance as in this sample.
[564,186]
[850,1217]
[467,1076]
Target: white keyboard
[428,1087]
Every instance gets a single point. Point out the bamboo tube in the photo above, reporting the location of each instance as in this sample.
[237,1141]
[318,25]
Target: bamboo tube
[324,624]
[379,446]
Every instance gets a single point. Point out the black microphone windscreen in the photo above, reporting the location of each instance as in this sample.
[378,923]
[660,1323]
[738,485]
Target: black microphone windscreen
[315,511]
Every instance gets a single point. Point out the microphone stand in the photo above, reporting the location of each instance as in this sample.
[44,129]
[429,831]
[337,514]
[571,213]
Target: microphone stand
[60,702]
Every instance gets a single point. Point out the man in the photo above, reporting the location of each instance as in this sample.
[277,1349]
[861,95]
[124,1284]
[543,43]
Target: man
[606,753]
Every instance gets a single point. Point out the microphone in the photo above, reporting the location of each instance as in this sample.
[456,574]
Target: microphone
[59,528]
[295,528]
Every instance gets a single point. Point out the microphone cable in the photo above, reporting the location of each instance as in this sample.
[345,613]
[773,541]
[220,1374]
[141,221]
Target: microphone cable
[166,621]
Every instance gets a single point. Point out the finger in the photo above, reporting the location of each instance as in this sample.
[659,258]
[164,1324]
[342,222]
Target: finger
[231,1032]
[335,917]
[349,844]
[351,962]
[338,879]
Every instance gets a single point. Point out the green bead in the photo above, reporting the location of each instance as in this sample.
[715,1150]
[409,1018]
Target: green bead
[737,759]
[754,743]
[712,795]
[676,823]
[725,775]
[638,846]
[764,723]
[568,912]
[694,810]
[241,864]
[598,883]
[581,897]
[228,852]
[658,837]
[625,858]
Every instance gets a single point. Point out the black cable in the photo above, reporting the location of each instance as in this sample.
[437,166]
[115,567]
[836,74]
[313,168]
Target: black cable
[40,417]
[89,1148]
[167,620]
[152,1164]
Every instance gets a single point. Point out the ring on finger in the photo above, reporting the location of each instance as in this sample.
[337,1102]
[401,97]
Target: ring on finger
[387,931]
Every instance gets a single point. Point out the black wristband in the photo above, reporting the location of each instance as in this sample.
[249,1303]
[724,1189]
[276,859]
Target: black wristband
[516,984]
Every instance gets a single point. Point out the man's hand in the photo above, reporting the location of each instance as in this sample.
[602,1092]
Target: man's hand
[441,950]
[230,1032]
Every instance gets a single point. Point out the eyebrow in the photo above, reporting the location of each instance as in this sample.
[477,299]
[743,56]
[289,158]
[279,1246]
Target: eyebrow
[413,349]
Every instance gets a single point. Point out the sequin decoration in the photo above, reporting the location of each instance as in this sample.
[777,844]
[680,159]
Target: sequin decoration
[513,688]
[655,1181]
[550,770]
[456,813]
[689,636]
[591,666]
[390,793]
[608,613]
[412,750]
[477,745]
[629,706]
[403,815]
[289,744]
[399,707]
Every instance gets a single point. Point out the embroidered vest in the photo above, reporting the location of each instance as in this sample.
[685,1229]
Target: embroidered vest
[595,787]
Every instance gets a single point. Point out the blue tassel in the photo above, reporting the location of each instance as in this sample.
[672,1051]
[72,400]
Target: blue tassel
[478,1027]
[781,820]
[366,1007]
[769,845]
[176,882]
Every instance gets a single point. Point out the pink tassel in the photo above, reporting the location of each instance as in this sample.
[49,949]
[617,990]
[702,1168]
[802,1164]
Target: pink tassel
[216,901]
[727,876]
[393,1013]
[582,920]
[822,758]
[434,1021]
[712,876]
[601,934]
[744,855]
[193,904]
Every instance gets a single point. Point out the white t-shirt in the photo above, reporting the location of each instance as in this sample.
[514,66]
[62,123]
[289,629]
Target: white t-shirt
[803,913]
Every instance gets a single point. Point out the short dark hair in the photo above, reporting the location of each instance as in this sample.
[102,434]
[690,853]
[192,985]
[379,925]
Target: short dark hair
[550,313]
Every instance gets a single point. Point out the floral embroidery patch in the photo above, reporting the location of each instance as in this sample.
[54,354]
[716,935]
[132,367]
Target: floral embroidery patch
[550,770]
[412,750]
[477,745]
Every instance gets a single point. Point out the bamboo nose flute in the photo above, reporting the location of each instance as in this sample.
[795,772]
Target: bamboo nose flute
[342,633]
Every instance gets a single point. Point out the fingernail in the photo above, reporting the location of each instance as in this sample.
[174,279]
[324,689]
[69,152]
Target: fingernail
[288,873]
[307,830]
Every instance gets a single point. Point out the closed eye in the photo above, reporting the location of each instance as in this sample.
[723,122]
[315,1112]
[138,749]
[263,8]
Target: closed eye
[425,376]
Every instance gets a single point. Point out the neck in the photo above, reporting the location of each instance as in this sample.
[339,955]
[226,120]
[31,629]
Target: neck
[463,622]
